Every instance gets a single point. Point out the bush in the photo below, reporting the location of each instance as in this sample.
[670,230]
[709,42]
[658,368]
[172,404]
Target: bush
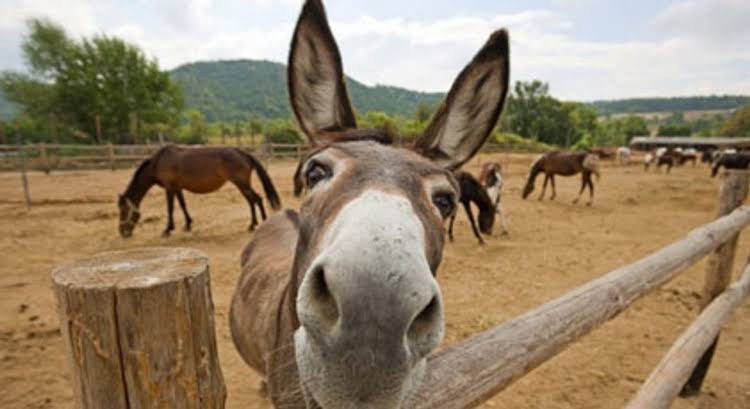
[514,142]
[282,131]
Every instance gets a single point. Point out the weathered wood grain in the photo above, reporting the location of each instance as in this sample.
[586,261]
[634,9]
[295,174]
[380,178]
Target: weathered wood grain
[139,329]
[665,382]
[471,372]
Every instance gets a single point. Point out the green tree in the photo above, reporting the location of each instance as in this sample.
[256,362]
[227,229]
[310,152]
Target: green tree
[282,131]
[533,113]
[674,130]
[197,128]
[738,124]
[100,77]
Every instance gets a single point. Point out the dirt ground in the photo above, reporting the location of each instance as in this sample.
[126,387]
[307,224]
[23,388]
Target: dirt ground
[553,247]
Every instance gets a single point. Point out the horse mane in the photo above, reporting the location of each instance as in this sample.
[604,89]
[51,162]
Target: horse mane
[136,175]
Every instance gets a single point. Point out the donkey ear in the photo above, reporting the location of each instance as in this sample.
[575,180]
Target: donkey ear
[470,111]
[316,78]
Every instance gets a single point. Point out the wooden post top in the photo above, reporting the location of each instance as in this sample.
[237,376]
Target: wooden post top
[135,268]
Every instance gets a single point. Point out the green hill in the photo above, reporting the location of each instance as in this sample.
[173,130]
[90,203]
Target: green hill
[675,104]
[235,90]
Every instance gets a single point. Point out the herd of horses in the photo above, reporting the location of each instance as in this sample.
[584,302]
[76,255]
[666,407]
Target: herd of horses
[337,305]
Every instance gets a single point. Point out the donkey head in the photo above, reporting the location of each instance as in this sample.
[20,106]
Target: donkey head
[371,228]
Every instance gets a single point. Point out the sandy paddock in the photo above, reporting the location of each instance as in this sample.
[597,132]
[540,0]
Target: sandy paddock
[553,247]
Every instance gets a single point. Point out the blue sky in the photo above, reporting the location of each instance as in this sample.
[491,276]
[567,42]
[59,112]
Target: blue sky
[585,49]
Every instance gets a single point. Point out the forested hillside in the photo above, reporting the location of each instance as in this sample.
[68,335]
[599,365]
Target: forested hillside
[236,90]
[676,104]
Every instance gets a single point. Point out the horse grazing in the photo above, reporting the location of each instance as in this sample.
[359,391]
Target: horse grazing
[491,178]
[197,170]
[473,192]
[623,156]
[668,159]
[337,305]
[564,164]
[740,160]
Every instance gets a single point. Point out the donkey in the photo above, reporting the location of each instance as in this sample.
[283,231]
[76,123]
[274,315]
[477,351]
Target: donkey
[473,192]
[491,178]
[565,164]
[337,305]
[198,170]
[740,160]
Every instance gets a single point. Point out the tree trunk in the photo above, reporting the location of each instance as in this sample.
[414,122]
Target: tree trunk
[139,330]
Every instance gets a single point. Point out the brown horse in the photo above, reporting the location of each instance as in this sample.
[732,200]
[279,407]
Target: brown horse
[564,164]
[473,192]
[197,170]
[337,305]
[491,178]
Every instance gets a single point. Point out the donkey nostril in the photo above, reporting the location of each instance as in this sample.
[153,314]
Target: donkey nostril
[322,302]
[426,329]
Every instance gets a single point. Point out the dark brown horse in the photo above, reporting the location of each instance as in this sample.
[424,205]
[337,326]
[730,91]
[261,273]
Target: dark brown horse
[564,164]
[197,170]
[473,192]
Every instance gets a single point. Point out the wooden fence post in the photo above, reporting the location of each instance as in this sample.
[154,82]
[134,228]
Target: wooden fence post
[2,132]
[732,195]
[98,125]
[111,155]
[45,159]
[24,180]
[139,330]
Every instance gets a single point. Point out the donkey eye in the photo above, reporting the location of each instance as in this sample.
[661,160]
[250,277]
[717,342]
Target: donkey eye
[445,202]
[315,173]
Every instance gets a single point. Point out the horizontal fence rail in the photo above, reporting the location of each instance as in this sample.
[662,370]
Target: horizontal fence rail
[471,372]
[52,156]
[665,382]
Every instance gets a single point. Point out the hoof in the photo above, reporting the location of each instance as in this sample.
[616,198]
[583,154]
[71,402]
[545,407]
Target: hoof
[589,204]
[166,233]
[505,233]
[187,227]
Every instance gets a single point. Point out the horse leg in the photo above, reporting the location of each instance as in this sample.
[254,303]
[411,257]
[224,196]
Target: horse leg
[450,226]
[170,209]
[251,197]
[544,187]
[554,190]
[467,207]
[591,190]
[583,186]
[188,220]
[501,213]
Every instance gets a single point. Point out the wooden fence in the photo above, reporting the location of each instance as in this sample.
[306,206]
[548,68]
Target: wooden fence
[49,157]
[473,371]
[467,374]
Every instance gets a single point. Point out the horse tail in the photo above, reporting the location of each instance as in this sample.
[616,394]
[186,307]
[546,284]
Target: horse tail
[534,170]
[268,187]
[591,163]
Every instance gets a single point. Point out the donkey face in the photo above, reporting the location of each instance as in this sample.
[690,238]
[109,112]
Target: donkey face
[371,228]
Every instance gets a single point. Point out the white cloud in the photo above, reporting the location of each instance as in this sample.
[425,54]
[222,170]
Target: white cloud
[699,46]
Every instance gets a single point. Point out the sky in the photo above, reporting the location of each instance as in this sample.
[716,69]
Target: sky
[585,49]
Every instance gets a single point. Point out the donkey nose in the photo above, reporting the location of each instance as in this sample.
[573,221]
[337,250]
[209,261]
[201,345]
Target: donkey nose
[394,312]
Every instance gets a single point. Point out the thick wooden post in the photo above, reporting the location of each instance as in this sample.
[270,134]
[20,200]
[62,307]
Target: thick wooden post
[139,330]
[2,132]
[732,195]
[665,381]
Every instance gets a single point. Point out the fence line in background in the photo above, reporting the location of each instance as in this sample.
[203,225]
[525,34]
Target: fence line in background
[55,156]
